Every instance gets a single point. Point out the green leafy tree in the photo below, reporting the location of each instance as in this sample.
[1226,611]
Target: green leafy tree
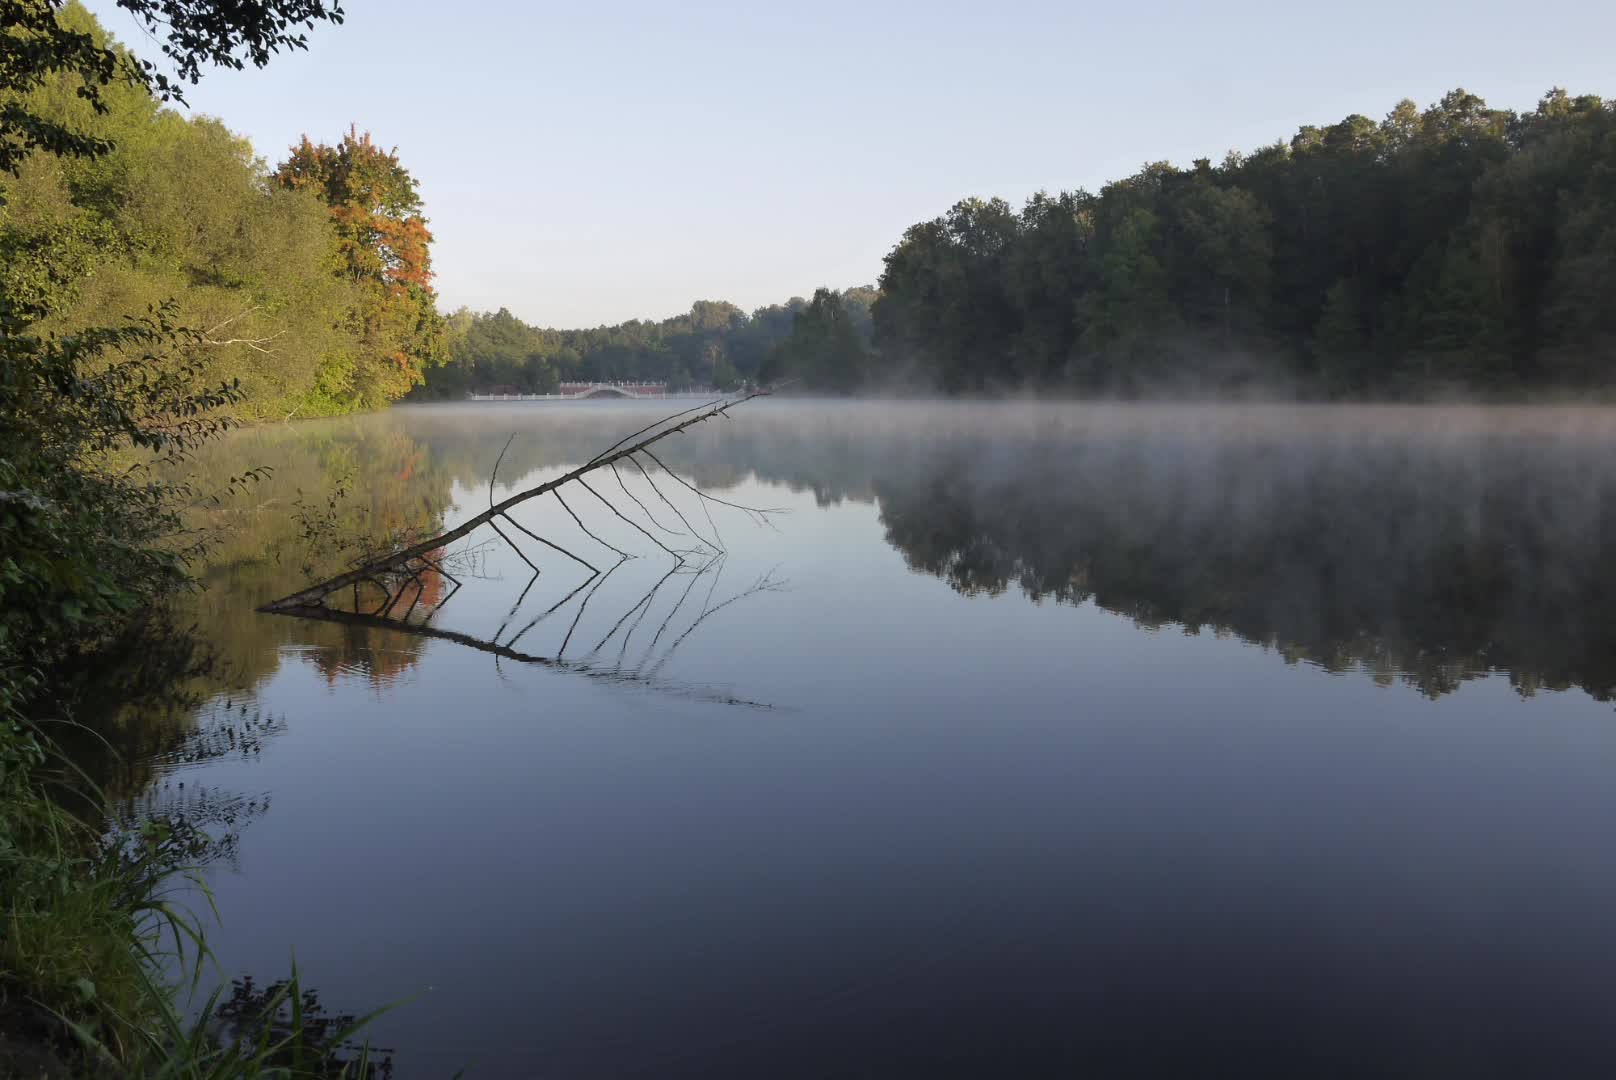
[1129,317]
[1339,340]
[175,210]
[825,350]
[97,380]
[193,35]
[1223,276]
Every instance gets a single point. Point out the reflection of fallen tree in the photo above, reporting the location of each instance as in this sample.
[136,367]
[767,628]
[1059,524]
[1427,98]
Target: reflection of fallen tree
[402,589]
[645,672]
[395,571]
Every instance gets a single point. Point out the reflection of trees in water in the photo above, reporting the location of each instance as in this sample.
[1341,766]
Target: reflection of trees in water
[377,654]
[141,698]
[394,483]
[1432,560]
[775,441]
[200,823]
[222,730]
[1405,546]
[1436,543]
[1428,544]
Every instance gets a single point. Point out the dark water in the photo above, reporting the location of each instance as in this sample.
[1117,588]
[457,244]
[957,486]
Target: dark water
[1032,740]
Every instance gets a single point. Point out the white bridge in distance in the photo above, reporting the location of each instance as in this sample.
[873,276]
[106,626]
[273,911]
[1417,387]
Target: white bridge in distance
[580,391]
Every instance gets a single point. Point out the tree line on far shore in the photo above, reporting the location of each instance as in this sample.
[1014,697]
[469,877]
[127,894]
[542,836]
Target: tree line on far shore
[714,344]
[1459,246]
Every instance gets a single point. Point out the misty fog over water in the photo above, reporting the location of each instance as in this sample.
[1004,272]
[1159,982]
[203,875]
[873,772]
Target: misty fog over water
[1072,738]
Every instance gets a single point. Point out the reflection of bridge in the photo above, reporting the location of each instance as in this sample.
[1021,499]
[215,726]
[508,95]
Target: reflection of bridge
[577,391]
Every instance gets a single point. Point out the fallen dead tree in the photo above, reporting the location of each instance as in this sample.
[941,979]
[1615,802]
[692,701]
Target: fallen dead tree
[394,572]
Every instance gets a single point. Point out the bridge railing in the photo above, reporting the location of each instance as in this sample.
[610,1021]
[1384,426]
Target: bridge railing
[574,391]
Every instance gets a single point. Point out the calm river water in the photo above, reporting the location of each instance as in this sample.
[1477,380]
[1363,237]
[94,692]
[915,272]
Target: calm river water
[1029,740]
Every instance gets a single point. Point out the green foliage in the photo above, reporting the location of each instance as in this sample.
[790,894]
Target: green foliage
[1458,245]
[495,350]
[89,922]
[37,47]
[946,294]
[715,344]
[181,210]
[114,207]
[92,532]
[825,351]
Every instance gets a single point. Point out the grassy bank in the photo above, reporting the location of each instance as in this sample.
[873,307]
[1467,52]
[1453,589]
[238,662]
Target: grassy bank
[98,541]
[98,964]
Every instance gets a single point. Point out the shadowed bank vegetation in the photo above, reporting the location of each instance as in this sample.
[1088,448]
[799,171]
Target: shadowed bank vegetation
[155,282]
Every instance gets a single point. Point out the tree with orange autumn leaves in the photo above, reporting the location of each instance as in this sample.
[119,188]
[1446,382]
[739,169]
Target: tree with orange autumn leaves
[383,250]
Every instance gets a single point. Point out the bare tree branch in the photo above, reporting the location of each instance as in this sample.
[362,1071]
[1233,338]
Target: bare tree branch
[757,512]
[495,474]
[643,508]
[585,528]
[551,544]
[598,458]
[512,544]
[635,462]
[590,595]
[256,343]
[315,595]
[644,600]
[766,583]
[682,596]
[555,607]
[399,575]
[677,557]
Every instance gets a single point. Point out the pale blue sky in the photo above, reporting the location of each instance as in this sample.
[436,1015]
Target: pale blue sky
[591,162]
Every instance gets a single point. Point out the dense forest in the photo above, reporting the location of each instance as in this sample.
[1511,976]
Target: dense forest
[1459,246]
[715,344]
